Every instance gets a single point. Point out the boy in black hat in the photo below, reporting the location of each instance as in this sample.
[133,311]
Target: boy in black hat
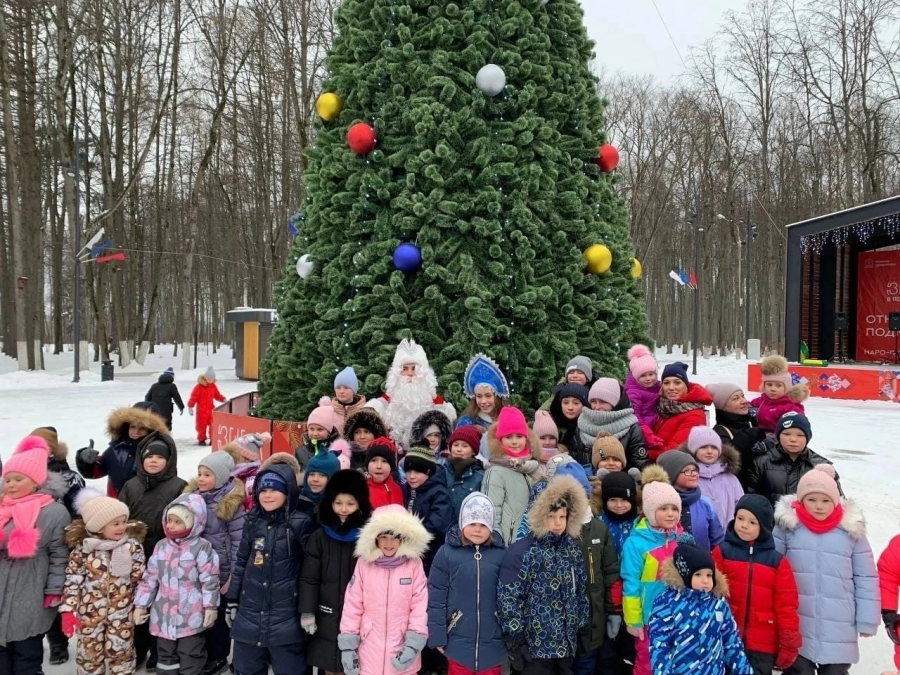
[426,495]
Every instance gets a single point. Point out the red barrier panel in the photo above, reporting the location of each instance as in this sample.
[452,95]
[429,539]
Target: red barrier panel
[231,420]
[859,383]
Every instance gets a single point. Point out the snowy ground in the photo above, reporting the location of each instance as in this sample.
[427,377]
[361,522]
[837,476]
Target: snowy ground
[855,435]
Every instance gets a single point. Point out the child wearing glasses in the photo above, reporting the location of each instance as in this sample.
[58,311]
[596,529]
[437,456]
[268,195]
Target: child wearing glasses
[698,514]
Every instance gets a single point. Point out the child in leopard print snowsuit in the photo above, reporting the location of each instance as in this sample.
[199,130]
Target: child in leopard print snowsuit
[104,570]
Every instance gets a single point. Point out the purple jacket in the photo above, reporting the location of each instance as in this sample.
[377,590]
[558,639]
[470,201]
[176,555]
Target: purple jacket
[643,400]
[769,411]
[719,483]
[181,579]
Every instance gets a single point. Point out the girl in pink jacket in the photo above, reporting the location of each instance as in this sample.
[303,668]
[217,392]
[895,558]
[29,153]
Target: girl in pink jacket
[384,625]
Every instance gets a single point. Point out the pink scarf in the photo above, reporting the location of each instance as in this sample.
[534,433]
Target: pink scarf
[23,539]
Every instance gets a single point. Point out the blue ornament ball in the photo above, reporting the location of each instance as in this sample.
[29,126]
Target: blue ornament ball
[408,258]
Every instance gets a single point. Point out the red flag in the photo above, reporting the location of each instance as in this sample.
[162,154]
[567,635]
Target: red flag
[109,258]
[693,281]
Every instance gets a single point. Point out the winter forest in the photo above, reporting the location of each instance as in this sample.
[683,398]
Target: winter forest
[192,117]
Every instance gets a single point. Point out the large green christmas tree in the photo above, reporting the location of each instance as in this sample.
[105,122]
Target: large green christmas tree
[501,194]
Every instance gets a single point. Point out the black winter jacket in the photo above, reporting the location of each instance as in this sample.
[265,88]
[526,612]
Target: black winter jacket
[741,432]
[602,565]
[774,474]
[163,393]
[431,503]
[266,578]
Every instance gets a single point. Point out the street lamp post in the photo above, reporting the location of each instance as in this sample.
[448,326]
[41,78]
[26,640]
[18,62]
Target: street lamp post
[749,235]
[75,172]
[698,232]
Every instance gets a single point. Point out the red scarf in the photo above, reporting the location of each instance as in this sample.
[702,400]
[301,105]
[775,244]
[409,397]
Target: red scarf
[818,526]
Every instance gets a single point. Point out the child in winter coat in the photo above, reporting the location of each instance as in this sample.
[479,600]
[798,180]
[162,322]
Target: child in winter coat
[126,428]
[514,454]
[263,605]
[315,479]
[565,409]
[779,394]
[105,567]
[361,428]
[607,453]
[246,451]
[719,466]
[387,597]
[787,458]
[824,538]
[763,596]
[464,471]
[328,566]
[426,495]
[347,399]
[542,596]
[164,394]
[698,515]
[691,627]
[224,498]
[889,582]
[381,463]
[643,385]
[320,433]
[180,589]
[203,397]
[462,592]
[432,429]
[650,544]
[548,434]
[33,555]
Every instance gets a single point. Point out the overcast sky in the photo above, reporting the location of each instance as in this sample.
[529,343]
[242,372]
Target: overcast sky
[631,37]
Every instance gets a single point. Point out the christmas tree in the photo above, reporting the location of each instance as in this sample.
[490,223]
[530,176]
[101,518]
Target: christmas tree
[456,195]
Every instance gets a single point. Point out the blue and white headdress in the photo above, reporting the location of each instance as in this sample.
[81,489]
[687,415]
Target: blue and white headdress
[483,370]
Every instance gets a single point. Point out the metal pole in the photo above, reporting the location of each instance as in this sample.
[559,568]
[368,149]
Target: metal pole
[748,236]
[77,293]
[697,230]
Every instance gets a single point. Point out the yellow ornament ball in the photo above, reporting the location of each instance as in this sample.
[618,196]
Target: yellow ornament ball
[636,268]
[329,106]
[599,258]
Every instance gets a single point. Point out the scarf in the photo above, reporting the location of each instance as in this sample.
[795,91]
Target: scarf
[818,526]
[519,454]
[349,536]
[667,408]
[618,529]
[315,498]
[710,471]
[615,422]
[120,561]
[688,499]
[394,561]
[460,465]
[548,453]
[23,512]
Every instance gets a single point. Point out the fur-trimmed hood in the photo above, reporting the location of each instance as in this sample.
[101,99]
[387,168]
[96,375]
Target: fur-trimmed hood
[119,420]
[364,418]
[347,482]
[77,532]
[561,490]
[286,459]
[730,457]
[596,499]
[671,578]
[227,507]
[414,538]
[853,521]
[425,420]
[495,449]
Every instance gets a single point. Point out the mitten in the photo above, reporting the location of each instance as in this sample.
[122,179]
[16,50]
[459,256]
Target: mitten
[209,617]
[412,645]
[636,632]
[613,624]
[140,616]
[348,643]
[230,613]
[181,412]
[308,623]
[789,642]
[70,624]
[52,601]
[635,474]
[89,454]
[890,619]
[191,412]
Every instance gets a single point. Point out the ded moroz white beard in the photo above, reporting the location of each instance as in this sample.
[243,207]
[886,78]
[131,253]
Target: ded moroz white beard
[410,397]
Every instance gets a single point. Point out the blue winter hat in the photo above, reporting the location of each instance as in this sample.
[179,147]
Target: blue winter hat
[169,371]
[271,481]
[325,463]
[689,559]
[578,391]
[794,420]
[576,471]
[347,378]
[677,369]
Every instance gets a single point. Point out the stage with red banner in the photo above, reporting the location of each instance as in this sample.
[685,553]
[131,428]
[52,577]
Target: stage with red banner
[877,295]
[846,382]
[232,419]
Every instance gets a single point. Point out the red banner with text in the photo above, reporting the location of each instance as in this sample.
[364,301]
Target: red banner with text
[877,295]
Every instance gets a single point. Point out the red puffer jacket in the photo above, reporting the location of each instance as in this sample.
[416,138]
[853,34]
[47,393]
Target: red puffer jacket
[763,594]
[675,429]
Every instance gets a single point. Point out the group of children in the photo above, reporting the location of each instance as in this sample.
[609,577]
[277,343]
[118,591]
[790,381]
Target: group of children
[486,544]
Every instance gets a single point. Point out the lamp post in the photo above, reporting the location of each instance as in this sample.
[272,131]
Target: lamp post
[750,233]
[698,232]
[73,170]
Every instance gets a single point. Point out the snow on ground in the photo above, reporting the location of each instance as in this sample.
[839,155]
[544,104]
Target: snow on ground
[856,435]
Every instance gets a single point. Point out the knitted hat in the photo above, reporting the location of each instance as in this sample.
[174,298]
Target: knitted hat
[619,485]
[220,464]
[325,463]
[347,378]
[794,420]
[784,378]
[49,435]
[544,424]
[578,391]
[323,415]
[819,480]
[251,445]
[674,462]
[169,371]
[420,459]
[606,389]
[511,421]
[431,429]
[576,471]
[98,510]
[721,392]
[606,446]
[656,495]
[476,508]
[677,369]
[700,437]
[467,434]
[761,508]
[690,559]
[29,459]
[384,448]
[210,374]
[271,481]
[581,364]
[555,462]
[157,447]
[183,513]
[641,361]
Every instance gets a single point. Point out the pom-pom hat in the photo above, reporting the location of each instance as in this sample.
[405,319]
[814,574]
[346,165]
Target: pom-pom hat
[98,510]
[29,459]
[641,361]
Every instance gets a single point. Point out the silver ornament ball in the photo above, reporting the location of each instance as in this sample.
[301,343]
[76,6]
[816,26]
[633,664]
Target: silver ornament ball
[304,266]
[491,79]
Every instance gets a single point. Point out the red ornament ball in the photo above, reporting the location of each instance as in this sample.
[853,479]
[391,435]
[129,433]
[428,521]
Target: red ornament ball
[361,138]
[608,159]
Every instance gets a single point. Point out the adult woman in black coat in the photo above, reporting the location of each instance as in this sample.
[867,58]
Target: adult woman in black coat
[736,425]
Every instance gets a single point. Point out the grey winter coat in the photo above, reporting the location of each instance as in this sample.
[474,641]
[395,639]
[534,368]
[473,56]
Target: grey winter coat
[25,581]
[836,579]
[508,488]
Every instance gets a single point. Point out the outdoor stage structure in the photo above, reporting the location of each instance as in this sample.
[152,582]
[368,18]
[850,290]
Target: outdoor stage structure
[842,300]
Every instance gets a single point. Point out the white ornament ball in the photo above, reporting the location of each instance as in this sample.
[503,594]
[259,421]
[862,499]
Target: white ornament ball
[304,266]
[490,79]
[543,3]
